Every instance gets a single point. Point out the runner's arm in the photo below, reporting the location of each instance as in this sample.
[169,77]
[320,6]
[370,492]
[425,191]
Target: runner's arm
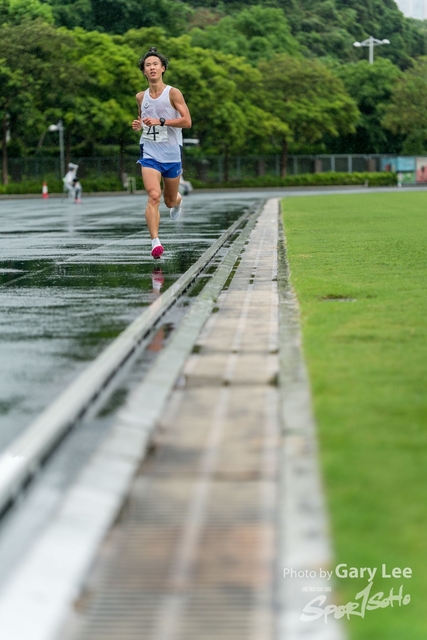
[137,124]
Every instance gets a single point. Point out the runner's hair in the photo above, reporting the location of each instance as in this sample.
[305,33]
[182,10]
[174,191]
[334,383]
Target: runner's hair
[153,52]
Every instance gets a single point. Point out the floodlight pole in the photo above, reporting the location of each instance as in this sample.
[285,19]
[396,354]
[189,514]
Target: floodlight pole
[60,129]
[371,42]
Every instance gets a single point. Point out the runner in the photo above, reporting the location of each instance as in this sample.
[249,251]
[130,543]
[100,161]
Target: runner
[162,114]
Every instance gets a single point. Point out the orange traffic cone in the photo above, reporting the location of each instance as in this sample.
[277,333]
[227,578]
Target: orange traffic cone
[45,192]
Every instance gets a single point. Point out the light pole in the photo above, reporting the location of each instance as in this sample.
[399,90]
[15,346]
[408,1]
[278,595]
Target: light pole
[60,128]
[370,42]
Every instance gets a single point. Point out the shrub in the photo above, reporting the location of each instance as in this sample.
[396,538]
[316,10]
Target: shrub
[89,185]
[305,180]
[94,185]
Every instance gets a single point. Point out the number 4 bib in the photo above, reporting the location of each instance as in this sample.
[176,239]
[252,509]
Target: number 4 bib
[154,133]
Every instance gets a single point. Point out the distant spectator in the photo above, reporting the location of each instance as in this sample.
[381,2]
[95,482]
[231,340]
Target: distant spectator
[77,191]
[68,179]
[185,186]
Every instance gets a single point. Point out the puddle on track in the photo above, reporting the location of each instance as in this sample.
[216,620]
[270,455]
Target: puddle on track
[72,278]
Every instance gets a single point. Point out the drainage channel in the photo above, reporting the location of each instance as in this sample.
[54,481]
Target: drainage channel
[191,554]
[24,456]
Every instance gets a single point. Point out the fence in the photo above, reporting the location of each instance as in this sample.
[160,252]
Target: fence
[213,168]
[207,169]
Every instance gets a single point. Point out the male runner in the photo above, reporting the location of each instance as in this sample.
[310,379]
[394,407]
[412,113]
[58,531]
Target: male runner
[162,114]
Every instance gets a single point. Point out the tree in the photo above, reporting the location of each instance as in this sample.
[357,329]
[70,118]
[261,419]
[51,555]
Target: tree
[383,19]
[11,93]
[73,13]
[406,113]
[309,98]
[104,106]
[36,73]
[14,12]
[255,33]
[370,86]
[328,28]
[118,16]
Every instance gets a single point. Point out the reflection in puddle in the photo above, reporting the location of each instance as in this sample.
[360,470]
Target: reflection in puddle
[160,337]
[157,279]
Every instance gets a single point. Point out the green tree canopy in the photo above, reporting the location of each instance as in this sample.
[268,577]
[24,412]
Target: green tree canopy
[103,104]
[255,33]
[328,28]
[12,95]
[370,86]
[36,61]
[406,113]
[14,12]
[118,16]
[309,98]
[73,13]
[320,28]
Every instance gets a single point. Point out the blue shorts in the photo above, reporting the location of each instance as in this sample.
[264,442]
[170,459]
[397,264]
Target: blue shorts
[167,169]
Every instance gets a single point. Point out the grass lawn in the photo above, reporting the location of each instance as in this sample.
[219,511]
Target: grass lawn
[359,267]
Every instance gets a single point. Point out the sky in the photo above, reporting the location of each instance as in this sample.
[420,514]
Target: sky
[413,8]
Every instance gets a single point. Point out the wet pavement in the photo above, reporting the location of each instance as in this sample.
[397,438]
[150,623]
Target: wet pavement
[73,277]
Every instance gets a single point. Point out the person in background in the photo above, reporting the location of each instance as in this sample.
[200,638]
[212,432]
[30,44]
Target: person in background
[68,179]
[77,191]
[185,186]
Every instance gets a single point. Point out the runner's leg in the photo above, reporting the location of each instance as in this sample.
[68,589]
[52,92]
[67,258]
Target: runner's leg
[151,179]
[171,195]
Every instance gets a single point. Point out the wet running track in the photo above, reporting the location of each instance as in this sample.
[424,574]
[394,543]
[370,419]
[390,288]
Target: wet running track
[73,277]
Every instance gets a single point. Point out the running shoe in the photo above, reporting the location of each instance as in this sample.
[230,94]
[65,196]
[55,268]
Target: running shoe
[175,212]
[157,251]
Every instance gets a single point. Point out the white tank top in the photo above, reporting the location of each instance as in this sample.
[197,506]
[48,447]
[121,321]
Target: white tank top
[161,143]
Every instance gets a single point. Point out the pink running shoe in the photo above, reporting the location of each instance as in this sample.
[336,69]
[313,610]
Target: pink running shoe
[157,251]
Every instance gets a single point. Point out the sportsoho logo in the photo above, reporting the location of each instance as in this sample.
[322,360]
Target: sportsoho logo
[365,600]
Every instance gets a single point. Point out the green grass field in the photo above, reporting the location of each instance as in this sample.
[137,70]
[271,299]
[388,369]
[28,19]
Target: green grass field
[359,267]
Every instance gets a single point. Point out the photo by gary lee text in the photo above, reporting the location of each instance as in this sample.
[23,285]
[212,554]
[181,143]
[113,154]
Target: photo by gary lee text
[344,571]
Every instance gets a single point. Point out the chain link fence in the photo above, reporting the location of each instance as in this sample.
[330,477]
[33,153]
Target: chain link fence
[207,169]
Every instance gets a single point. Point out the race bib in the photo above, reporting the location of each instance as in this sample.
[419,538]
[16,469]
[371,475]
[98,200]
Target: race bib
[155,133]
